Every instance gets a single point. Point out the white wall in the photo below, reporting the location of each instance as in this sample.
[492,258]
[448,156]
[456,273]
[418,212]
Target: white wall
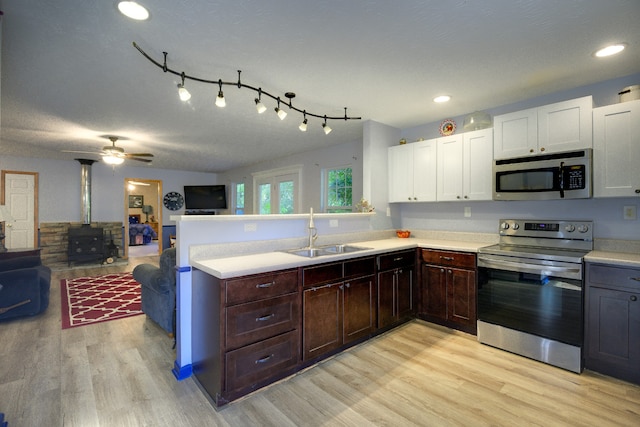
[349,153]
[606,213]
[59,187]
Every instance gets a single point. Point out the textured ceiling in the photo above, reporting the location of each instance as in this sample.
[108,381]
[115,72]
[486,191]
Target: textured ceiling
[70,74]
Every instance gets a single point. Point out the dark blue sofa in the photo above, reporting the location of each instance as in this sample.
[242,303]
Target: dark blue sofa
[158,288]
[24,287]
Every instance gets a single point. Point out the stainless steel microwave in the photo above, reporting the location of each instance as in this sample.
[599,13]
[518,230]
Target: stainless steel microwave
[556,176]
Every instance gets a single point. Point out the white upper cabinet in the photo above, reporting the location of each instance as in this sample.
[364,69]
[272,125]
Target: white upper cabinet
[516,134]
[464,166]
[553,128]
[412,172]
[616,150]
[477,160]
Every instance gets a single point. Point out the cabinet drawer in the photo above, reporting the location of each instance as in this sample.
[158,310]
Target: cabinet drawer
[396,260]
[613,277]
[251,288]
[449,258]
[359,267]
[255,321]
[325,273]
[261,361]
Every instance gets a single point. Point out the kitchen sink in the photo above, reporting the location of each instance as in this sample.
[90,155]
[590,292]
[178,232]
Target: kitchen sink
[325,250]
[342,249]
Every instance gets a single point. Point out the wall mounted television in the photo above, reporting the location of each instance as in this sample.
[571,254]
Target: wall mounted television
[204,199]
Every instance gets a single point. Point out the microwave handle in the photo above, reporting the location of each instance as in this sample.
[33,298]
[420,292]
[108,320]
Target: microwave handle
[561,180]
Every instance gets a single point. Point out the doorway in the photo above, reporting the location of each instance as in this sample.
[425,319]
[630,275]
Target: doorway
[20,194]
[142,217]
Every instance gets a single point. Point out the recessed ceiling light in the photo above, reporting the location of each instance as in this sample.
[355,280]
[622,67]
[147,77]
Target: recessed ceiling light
[610,50]
[441,98]
[133,10]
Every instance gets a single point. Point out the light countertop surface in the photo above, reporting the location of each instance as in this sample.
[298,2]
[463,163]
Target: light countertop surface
[624,259]
[242,265]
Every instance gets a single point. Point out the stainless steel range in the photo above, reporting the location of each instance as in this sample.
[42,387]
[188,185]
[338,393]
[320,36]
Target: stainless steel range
[530,290]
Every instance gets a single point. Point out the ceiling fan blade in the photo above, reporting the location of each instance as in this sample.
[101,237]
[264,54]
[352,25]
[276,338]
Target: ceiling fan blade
[138,155]
[81,152]
[139,160]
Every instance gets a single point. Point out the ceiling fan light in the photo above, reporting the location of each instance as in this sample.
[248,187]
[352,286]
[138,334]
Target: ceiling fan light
[442,98]
[260,107]
[610,50]
[113,160]
[183,93]
[133,10]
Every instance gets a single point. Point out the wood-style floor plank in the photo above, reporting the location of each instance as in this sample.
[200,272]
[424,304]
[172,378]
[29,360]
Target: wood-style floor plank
[118,373]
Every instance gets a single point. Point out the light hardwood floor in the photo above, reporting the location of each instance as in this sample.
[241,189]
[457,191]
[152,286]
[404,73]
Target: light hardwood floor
[118,373]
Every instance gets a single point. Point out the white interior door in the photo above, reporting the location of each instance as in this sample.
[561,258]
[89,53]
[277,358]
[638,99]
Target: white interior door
[20,198]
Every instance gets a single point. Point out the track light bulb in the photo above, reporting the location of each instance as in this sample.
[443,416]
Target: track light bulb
[260,106]
[220,102]
[325,127]
[303,126]
[281,113]
[183,93]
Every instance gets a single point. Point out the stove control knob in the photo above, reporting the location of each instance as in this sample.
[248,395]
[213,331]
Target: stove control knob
[583,228]
[569,228]
[504,225]
[515,226]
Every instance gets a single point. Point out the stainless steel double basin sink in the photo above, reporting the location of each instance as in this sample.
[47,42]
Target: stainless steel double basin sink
[325,250]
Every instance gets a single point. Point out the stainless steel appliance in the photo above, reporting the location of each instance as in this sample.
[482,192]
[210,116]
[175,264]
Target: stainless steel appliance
[530,290]
[564,175]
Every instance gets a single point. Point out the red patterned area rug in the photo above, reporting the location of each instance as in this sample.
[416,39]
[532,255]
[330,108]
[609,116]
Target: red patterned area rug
[88,300]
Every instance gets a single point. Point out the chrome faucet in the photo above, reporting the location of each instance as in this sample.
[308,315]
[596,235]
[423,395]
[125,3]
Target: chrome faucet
[313,232]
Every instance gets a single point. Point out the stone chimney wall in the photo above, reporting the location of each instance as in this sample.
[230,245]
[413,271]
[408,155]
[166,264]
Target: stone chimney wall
[54,239]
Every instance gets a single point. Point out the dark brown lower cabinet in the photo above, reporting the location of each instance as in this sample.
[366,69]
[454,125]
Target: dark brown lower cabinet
[245,331]
[449,289]
[337,314]
[397,296]
[340,312]
[612,327]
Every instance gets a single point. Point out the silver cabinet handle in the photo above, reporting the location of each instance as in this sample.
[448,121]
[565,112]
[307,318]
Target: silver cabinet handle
[447,258]
[264,359]
[633,298]
[263,318]
[265,285]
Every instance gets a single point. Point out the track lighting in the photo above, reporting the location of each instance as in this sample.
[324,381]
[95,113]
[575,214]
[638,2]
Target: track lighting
[303,125]
[260,107]
[220,102]
[325,127]
[183,93]
[281,113]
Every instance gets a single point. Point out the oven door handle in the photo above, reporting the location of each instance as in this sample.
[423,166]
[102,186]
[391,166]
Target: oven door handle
[521,267]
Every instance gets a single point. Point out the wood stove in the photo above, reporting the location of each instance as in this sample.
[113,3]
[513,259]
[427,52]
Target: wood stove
[86,243]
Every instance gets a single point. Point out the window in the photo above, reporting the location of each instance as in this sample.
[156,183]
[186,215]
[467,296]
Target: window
[239,199]
[277,191]
[338,190]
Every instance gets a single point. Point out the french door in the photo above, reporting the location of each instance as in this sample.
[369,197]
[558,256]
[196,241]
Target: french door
[277,194]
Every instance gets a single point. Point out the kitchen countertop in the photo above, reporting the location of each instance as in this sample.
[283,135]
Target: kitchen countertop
[242,265]
[624,259]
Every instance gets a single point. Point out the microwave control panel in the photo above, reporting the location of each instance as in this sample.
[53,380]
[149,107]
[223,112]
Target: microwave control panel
[574,177]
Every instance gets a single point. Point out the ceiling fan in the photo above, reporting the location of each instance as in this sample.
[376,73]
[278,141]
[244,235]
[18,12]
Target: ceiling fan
[113,155]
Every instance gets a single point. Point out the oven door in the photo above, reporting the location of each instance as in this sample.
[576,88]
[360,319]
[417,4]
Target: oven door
[538,297]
